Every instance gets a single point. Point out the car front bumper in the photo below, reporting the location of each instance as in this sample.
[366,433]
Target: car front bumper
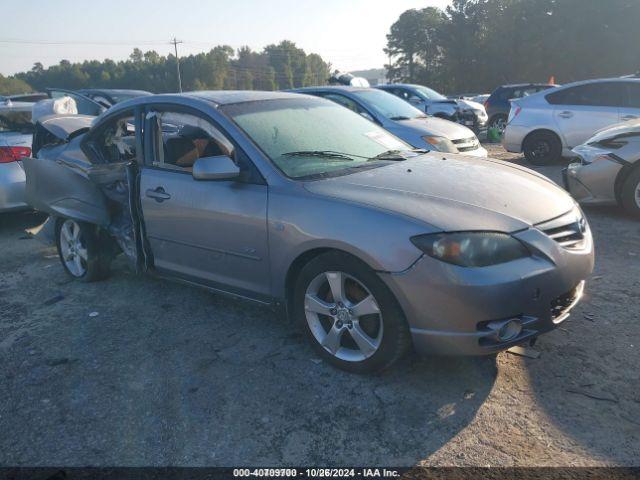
[479,152]
[448,307]
[12,187]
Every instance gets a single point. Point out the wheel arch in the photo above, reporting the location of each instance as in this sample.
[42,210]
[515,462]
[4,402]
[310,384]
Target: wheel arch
[298,264]
[621,177]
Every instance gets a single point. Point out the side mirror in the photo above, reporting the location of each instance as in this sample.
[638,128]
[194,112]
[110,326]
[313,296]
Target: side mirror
[215,168]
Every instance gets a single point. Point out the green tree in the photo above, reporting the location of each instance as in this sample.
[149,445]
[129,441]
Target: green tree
[11,86]
[413,44]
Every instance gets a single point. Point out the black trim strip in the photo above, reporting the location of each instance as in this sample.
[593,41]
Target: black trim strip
[210,249]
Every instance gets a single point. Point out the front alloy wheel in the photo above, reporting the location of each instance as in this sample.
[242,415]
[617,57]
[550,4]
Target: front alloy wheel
[343,316]
[349,315]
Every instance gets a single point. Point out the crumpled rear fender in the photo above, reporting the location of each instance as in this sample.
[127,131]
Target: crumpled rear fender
[57,189]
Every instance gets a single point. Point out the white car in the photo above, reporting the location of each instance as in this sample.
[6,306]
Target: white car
[16,132]
[549,124]
[609,169]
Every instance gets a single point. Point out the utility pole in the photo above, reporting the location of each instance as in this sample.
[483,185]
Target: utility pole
[175,43]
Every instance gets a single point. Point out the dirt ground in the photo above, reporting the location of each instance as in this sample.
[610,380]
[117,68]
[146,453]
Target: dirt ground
[139,371]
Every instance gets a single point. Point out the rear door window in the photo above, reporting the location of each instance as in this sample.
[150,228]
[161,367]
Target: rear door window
[344,101]
[601,94]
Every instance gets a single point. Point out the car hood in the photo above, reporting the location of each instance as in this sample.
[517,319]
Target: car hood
[470,105]
[631,127]
[454,192]
[437,127]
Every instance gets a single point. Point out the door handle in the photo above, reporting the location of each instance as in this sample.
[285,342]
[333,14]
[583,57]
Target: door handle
[629,117]
[159,195]
[565,114]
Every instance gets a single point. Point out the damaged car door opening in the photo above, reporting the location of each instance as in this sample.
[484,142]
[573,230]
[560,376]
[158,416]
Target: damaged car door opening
[370,254]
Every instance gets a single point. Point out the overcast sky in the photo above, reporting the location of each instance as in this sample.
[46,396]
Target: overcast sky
[348,33]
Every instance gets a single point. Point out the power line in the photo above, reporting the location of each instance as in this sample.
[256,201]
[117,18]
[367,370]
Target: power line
[79,42]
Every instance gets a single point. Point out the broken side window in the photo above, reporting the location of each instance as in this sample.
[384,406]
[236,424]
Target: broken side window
[183,138]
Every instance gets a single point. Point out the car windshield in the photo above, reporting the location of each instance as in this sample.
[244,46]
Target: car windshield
[429,94]
[388,105]
[308,138]
[16,121]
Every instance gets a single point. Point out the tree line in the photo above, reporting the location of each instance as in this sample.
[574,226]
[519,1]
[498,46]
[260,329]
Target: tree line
[277,66]
[477,45]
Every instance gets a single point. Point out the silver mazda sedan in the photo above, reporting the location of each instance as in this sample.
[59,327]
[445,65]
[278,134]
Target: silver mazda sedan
[296,202]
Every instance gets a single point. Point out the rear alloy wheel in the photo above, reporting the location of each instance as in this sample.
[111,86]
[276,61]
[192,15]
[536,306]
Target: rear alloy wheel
[542,148]
[349,315]
[80,250]
[631,193]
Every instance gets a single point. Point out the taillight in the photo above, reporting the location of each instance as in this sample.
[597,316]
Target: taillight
[12,154]
[513,113]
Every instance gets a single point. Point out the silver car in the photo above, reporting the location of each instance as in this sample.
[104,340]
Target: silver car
[293,201]
[608,172]
[16,132]
[547,125]
[460,110]
[404,121]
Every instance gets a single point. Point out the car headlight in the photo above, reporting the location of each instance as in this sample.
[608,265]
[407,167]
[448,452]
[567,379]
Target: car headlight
[471,249]
[441,144]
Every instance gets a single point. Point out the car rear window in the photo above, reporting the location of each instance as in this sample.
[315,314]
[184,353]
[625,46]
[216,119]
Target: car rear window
[16,121]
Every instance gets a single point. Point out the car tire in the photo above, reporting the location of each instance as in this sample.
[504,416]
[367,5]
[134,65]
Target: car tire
[360,330]
[83,251]
[630,194]
[542,148]
[498,121]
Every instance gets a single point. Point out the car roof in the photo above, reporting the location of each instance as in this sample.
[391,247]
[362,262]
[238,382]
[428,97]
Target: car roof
[212,97]
[228,97]
[114,90]
[406,85]
[520,85]
[598,80]
[332,88]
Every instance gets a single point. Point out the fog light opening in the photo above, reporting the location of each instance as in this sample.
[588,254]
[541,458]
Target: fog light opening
[507,330]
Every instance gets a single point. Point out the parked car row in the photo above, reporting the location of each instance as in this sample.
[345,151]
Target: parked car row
[403,120]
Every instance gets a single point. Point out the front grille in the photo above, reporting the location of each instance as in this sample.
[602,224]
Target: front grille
[561,306]
[568,230]
[464,140]
[466,144]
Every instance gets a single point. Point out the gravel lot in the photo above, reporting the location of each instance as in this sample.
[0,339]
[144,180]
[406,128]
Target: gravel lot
[167,374]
